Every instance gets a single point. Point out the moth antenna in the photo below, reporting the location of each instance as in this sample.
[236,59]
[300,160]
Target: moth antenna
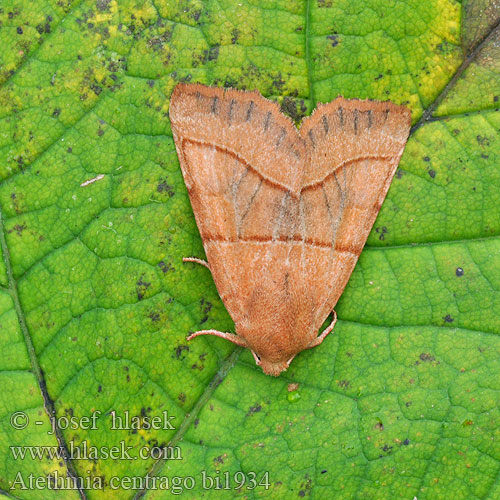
[197,261]
[224,335]
[317,341]
[257,359]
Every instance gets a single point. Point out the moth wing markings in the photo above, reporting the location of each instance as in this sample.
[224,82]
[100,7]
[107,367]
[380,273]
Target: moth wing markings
[229,203]
[355,150]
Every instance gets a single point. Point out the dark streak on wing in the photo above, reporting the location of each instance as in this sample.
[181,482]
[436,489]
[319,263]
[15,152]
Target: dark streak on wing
[249,204]
[311,136]
[281,137]
[324,119]
[231,111]
[213,109]
[340,112]
[268,121]
[249,111]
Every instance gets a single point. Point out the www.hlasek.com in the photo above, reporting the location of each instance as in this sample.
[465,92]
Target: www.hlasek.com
[175,484]
[83,451]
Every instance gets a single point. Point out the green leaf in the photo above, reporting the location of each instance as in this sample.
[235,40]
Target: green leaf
[401,401]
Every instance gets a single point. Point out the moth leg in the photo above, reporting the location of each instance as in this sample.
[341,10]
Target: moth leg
[317,341]
[197,261]
[290,360]
[228,336]
[257,359]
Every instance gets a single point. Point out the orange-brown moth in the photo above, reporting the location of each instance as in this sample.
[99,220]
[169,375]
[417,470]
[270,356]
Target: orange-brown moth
[283,213]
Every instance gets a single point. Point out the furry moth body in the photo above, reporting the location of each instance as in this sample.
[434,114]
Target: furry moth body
[283,213]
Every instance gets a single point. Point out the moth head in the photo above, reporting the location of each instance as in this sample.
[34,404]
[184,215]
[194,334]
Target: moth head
[271,368]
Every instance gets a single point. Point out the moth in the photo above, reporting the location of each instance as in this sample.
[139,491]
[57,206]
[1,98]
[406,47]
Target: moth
[283,213]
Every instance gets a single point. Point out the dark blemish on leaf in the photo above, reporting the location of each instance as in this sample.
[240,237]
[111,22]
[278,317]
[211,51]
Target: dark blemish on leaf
[99,389]
[145,411]
[182,398]
[202,356]
[427,357]
[206,307]
[254,409]
[379,76]
[459,272]
[179,350]
[343,383]
[196,422]
[235,33]
[324,471]
[154,316]
[324,3]
[406,442]
[18,228]
[298,29]
[399,173]
[212,53]
[432,173]
[379,426]
[484,156]
[348,354]
[483,141]
[186,78]
[231,83]
[165,267]
[448,319]
[278,82]
[387,448]
[408,404]
[141,287]
[219,459]
[334,40]
[19,30]
[100,132]
[306,487]
[96,88]
[164,187]
[196,15]
[382,231]
[56,112]
[103,5]
[426,158]
[151,83]
[289,107]
[69,150]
